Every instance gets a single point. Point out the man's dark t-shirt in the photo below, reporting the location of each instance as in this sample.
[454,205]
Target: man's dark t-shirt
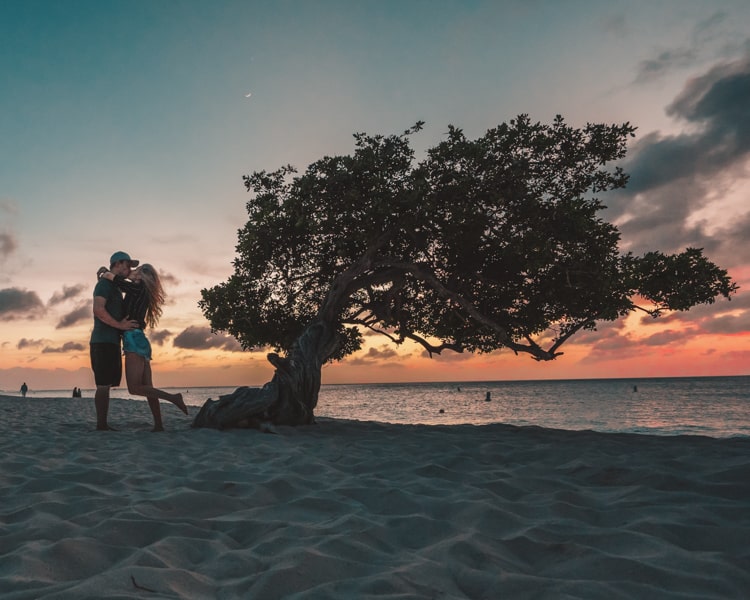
[103,333]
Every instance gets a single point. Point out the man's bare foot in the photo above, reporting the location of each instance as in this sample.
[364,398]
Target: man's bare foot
[105,428]
[157,428]
[180,403]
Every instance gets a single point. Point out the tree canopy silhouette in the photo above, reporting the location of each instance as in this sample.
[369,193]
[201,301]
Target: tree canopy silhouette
[483,244]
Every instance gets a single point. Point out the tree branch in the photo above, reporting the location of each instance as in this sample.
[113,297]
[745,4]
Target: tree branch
[444,292]
[429,347]
[393,268]
[564,338]
[346,283]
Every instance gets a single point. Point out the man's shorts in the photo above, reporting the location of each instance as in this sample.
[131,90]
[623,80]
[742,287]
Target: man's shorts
[106,362]
[136,341]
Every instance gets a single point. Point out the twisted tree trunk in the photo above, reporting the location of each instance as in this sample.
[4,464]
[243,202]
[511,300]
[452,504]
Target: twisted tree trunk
[289,398]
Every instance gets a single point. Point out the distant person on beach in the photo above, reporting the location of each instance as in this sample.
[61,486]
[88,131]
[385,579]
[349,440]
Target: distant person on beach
[144,297]
[109,322]
[24,389]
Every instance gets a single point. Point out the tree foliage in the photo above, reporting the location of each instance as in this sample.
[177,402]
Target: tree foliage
[485,243]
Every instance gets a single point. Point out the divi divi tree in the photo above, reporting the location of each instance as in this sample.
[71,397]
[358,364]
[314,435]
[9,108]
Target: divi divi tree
[487,243]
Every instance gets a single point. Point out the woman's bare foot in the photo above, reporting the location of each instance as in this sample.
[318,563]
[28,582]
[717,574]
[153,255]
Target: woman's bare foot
[157,428]
[180,403]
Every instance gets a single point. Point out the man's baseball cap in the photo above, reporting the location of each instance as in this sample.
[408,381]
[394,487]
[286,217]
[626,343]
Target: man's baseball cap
[120,255]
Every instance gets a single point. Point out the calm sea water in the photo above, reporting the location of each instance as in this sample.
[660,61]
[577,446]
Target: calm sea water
[713,406]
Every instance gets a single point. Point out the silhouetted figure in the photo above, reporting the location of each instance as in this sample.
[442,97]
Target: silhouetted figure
[635,388]
[488,397]
[110,320]
[24,389]
[144,297]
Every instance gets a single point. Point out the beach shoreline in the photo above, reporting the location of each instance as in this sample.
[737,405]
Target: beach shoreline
[718,407]
[347,509]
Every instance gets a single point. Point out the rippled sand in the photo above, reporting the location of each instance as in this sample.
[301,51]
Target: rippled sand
[348,509]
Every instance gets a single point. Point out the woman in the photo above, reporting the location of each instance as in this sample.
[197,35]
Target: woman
[144,297]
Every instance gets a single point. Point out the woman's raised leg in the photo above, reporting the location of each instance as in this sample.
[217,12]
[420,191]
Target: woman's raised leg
[140,383]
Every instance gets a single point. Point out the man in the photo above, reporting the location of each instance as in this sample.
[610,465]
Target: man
[109,322]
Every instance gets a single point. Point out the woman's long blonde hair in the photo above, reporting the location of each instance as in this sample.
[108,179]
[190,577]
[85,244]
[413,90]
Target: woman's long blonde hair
[155,291]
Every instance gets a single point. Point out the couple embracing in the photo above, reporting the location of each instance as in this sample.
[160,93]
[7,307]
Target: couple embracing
[116,317]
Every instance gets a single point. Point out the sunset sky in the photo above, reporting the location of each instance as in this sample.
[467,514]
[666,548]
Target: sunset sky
[125,125]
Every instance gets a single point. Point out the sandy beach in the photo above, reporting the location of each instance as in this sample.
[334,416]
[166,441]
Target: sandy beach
[347,509]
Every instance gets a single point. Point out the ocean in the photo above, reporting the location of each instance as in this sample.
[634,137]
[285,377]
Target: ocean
[711,406]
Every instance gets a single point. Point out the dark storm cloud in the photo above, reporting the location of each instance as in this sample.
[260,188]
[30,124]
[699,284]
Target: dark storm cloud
[718,104]
[201,338]
[375,355]
[672,176]
[16,303]
[719,100]
[82,313]
[627,346]
[739,231]
[66,294]
[66,347]
[24,343]
[719,318]
[728,324]
[159,337]
[612,340]
[669,336]
[613,346]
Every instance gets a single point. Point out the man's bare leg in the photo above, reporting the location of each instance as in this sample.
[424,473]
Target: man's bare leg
[101,402]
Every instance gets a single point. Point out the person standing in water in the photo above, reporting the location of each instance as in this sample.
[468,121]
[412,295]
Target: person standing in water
[144,297]
[24,389]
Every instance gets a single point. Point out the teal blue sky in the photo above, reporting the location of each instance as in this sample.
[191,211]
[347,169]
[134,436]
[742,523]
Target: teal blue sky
[125,125]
